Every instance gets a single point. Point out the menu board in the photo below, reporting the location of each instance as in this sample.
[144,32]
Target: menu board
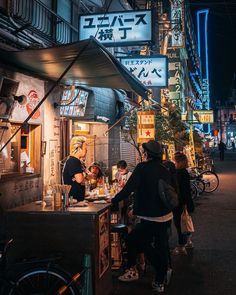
[104,258]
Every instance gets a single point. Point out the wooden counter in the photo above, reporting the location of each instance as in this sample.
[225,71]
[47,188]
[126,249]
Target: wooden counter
[40,231]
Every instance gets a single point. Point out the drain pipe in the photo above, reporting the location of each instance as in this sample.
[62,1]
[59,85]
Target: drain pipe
[26,33]
[13,38]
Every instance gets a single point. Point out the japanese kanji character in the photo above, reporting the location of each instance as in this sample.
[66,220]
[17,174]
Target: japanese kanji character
[125,32]
[104,35]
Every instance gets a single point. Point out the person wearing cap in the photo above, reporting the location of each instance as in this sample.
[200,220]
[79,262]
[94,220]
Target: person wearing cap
[96,175]
[151,234]
[74,170]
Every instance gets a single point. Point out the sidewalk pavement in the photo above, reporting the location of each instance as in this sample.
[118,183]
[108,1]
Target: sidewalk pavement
[210,268]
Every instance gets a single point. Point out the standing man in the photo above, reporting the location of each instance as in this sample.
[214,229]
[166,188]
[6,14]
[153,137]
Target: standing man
[74,170]
[151,234]
[222,148]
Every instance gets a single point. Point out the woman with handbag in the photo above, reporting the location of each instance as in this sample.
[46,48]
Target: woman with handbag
[185,202]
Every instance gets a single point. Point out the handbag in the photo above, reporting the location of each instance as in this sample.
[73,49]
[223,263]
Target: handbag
[186,222]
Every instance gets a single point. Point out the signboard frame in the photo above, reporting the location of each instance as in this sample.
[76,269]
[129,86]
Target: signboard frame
[164,84]
[142,40]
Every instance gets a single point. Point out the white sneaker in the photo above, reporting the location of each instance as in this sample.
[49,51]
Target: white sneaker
[180,250]
[158,287]
[189,245]
[168,276]
[129,275]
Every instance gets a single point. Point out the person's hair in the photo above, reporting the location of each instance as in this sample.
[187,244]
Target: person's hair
[76,144]
[181,160]
[122,164]
[100,174]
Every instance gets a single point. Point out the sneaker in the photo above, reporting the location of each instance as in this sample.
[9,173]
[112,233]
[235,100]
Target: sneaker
[168,276]
[129,275]
[189,244]
[180,250]
[158,287]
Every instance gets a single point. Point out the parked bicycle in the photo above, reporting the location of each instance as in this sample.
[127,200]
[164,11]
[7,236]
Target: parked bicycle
[41,277]
[208,178]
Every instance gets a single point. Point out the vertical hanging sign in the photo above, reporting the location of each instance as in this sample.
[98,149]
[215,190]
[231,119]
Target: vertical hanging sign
[145,126]
[177,23]
[191,144]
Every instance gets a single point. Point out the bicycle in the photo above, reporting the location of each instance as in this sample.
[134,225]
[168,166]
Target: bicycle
[39,277]
[210,178]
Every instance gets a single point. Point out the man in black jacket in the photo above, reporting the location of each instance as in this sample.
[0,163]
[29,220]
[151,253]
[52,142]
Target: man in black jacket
[151,234]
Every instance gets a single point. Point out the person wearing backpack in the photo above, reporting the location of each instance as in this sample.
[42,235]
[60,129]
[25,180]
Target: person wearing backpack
[151,234]
[185,199]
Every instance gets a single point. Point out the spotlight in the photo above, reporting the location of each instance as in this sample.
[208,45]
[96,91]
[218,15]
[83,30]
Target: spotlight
[22,99]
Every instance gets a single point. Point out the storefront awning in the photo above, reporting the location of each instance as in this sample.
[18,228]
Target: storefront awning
[95,66]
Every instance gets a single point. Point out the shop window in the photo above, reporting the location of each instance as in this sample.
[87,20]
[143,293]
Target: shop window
[24,151]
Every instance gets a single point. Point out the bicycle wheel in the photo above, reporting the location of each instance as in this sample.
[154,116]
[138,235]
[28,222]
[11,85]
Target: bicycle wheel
[194,190]
[211,181]
[44,281]
[200,184]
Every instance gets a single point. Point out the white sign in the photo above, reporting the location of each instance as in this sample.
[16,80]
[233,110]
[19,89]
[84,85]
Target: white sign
[177,23]
[150,70]
[117,27]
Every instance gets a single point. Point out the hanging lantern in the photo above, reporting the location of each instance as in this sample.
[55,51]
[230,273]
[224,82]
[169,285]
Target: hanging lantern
[145,126]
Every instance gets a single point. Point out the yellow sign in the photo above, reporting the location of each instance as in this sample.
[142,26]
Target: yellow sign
[192,148]
[204,116]
[145,126]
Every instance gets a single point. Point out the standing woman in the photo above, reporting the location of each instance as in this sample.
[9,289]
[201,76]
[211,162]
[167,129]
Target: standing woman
[185,199]
[74,169]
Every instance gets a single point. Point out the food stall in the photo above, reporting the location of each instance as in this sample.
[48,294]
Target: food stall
[42,231]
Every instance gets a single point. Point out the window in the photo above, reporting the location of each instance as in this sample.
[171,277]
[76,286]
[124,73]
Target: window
[23,154]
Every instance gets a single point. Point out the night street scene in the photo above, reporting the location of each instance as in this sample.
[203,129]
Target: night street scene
[117,147]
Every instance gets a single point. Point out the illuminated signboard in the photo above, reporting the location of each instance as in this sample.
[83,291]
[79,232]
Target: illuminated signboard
[204,116]
[75,102]
[131,27]
[150,70]
[145,126]
[177,23]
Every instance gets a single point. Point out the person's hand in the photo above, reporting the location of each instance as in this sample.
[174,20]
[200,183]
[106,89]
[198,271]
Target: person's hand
[131,213]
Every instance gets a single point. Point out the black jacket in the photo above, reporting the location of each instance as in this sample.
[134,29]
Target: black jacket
[184,194]
[144,183]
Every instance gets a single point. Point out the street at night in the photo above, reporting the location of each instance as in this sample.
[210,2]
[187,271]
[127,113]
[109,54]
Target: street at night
[117,147]
[210,268]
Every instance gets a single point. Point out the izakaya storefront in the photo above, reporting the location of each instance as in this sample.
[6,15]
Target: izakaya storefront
[20,160]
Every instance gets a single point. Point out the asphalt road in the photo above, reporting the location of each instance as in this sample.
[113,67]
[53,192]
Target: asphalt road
[210,268]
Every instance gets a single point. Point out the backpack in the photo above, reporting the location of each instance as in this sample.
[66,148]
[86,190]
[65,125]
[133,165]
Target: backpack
[167,194]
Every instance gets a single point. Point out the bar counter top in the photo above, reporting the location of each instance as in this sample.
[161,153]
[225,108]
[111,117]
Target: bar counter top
[34,207]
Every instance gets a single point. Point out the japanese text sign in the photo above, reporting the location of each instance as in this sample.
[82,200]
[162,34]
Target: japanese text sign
[131,27]
[150,70]
[204,116]
[177,23]
[145,126]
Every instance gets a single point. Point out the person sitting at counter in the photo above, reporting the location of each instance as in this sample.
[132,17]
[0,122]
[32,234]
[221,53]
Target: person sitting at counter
[123,174]
[97,177]
[74,170]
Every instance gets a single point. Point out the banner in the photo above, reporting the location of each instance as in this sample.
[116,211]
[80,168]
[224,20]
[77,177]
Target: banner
[191,145]
[145,126]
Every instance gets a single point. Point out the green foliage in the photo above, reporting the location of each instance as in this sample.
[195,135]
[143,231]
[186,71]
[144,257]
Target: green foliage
[169,127]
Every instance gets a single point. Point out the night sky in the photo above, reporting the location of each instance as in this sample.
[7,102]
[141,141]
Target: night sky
[222,45]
